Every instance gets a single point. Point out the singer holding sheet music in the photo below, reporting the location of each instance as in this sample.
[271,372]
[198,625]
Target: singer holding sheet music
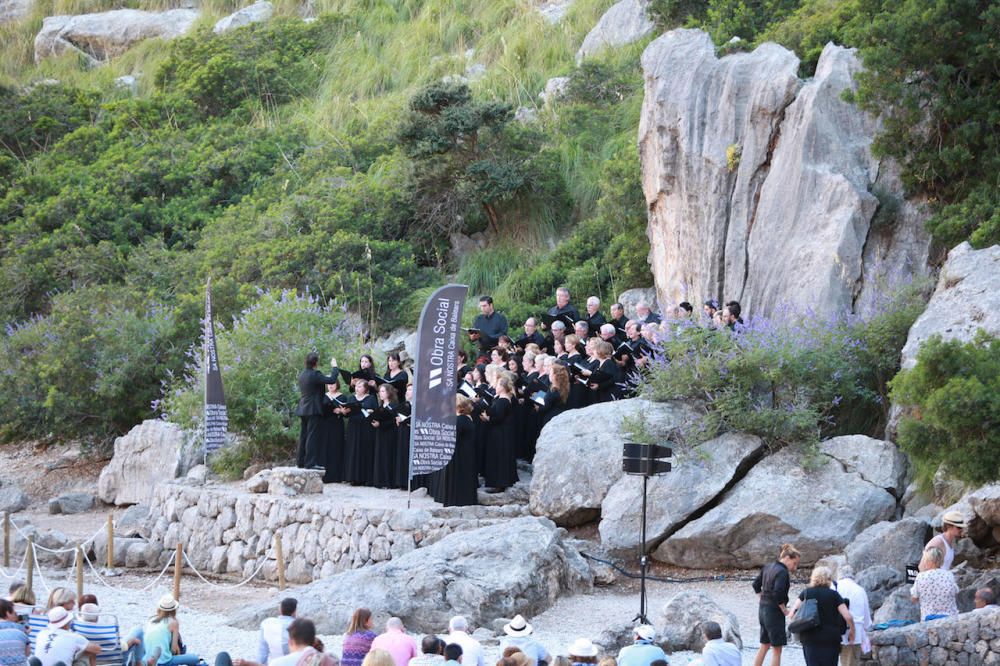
[488,325]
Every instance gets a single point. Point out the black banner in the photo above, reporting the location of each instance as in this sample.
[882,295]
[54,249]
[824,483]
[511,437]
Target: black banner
[432,434]
[216,416]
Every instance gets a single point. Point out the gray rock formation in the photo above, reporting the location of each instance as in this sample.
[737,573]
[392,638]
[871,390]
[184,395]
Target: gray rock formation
[553,11]
[778,501]
[14,10]
[625,22]
[699,475]
[520,566]
[72,503]
[134,522]
[151,451]
[258,12]
[967,298]
[879,582]
[879,462]
[572,494]
[679,623]
[764,198]
[554,89]
[99,37]
[893,544]
[632,297]
[13,499]
[985,503]
[898,606]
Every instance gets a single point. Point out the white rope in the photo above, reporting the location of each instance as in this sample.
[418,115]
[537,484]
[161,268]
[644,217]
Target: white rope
[263,561]
[58,551]
[108,585]
[38,570]
[19,569]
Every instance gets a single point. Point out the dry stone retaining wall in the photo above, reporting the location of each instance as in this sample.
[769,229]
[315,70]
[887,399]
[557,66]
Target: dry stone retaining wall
[968,639]
[224,530]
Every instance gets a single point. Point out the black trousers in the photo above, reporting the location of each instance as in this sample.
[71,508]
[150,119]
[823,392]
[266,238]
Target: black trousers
[309,441]
[821,654]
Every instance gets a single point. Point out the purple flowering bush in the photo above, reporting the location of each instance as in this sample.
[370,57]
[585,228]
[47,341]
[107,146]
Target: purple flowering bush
[791,378]
[260,353]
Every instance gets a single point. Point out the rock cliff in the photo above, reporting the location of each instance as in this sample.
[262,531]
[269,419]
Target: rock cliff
[762,187]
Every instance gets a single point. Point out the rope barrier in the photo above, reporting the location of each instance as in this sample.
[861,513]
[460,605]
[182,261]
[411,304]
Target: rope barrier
[19,569]
[263,561]
[660,579]
[104,581]
[58,551]
[38,570]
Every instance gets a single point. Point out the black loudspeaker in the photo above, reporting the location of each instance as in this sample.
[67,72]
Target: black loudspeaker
[646,459]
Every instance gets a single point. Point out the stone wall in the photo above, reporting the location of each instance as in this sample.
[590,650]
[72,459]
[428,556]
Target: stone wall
[968,639]
[225,530]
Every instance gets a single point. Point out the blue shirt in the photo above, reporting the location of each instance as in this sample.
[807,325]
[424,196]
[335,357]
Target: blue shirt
[13,641]
[642,653]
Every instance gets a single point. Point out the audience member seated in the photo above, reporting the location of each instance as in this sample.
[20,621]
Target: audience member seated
[717,652]
[643,652]
[400,646]
[102,631]
[453,654]
[358,638]
[304,649]
[377,657]
[272,641]
[14,646]
[519,635]
[985,599]
[161,638]
[472,651]
[56,644]
[582,651]
[432,649]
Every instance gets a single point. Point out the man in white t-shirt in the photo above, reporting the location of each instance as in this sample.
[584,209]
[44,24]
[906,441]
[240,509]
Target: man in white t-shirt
[472,651]
[58,645]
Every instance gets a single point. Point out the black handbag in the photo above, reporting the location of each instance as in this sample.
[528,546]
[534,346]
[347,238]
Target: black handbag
[806,617]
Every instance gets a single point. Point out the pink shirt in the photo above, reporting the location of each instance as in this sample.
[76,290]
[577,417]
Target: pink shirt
[401,646]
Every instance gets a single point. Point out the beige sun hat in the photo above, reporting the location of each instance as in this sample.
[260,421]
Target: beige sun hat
[955,518]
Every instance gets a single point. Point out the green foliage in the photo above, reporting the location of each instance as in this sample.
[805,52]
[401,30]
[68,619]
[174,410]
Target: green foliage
[811,27]
[670,14]
[791,380]
[951,399]
[91,368]
[260,354]
[931,72]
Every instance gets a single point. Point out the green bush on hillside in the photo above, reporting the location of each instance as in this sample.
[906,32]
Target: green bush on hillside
[951,402]
[260,354]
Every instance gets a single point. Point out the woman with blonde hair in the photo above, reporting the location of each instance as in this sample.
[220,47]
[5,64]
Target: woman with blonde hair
[378,657]
[61,596]
[771,586]
[934,587]
[358,638]
[501,439]
[161,638]
[821,644]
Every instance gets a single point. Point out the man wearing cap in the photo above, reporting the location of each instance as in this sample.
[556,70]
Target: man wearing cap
[519,635]
[643,652]
[952,526]
[58,645]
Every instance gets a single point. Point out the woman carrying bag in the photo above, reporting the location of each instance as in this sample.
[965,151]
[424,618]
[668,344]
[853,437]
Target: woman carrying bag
[819,618]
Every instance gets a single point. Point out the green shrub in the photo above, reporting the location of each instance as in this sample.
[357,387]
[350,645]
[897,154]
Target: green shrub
[793,379]
[951,402]
[260,354]
[90,368]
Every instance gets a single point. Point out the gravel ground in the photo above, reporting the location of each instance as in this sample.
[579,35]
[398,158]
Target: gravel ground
[205,611]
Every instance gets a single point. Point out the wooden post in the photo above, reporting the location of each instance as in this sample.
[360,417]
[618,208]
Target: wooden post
[111,542]
[279,555]
[6,539]
[178,565]
[79,571]
[31,564]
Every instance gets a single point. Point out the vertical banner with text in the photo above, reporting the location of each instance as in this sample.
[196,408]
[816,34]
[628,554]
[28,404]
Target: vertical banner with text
[216,416]
[432,432]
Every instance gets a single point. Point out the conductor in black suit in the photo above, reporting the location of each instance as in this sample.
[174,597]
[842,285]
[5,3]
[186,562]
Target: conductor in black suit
[312,386]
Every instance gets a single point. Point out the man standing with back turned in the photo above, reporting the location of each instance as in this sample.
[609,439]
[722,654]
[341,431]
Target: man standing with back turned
[312,386]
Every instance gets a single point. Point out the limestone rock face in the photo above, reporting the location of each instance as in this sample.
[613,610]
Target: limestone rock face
[893,544]
[698,476]
[554,89]
[570,493]
[632,297]
[72,503]
[98,37]
[520,566]
[898,606]
[758,184]
[14,10]
[877,461]
[966,299]
[779,501]
[553,11]
[679,624]
[625,22]
[13,499]
[151,451]
[258,12]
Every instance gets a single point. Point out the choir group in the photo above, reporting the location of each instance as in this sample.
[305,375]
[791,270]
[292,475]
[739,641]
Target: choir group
[510,390]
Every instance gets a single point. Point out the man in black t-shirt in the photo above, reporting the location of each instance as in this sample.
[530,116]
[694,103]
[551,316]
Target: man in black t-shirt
[489,325]
[771,586]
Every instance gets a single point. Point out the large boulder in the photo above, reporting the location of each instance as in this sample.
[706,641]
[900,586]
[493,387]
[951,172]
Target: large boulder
[521,566]
[13,499]
[819,505]
[151,451]
[14,10]
[258,12]
[625,22]
[681,619]
[590,440]
[893,544]
[759,184]
[99,37]
[898,606]
[72,503]
[985,503]
[879,582]
[878,461]
[699,475]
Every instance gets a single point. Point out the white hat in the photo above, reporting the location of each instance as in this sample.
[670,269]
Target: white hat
[582,647]
[645,632]
[167,603]
[92,611]
[59,617]
[955,518]
[517,627]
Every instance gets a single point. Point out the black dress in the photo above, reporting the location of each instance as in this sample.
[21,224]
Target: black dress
[553,406]
[402,468]
[332,442]
[359,453]
[607,388]
[461,479]
[579,394]
[531,422]
[501,445]
[384,470]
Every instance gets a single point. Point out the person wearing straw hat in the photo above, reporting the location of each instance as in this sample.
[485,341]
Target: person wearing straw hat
[643,652]
[161,639]
[582,651]
[56,644]
[952,525]
[519,635]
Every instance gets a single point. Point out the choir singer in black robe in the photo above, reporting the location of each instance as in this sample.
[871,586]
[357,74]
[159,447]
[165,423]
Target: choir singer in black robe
[501,439]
